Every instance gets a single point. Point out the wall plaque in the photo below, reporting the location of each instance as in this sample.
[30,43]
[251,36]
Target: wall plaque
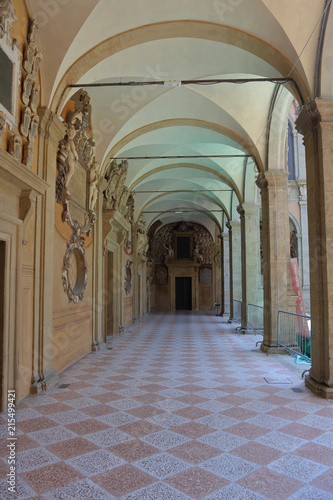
[78,185]
[205,275]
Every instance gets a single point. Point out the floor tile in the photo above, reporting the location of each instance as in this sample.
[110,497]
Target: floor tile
[133,450]
[257,453]
[223,440]
[123,480]
[162,465]
[165,439]
[140,428]
[71,448]
[157,491]
[316,453]
[95,462]
[83,490]
[197,483]
[271,484]
[298,468]
[194,452]
[230,467]
[50,477]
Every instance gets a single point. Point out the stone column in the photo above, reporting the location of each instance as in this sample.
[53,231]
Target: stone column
[222,276]
[276,252]
[315,122]
[231,287]
[236,265]
[51,131]
[250,257]
[226,272]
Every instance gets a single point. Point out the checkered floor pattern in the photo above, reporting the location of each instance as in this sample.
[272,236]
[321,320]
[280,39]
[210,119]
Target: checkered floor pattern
[178,407]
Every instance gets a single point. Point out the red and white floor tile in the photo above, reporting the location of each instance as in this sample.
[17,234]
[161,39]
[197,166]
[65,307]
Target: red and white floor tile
[182,407]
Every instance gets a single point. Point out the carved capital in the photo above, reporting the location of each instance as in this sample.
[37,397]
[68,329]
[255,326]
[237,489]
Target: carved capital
[26,208]
[241,210]
[261,181]
[308,119]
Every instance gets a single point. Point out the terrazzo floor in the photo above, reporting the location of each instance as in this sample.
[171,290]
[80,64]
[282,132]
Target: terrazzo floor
[182,407]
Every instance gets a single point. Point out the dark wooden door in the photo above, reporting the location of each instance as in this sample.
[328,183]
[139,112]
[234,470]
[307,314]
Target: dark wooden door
[183,294]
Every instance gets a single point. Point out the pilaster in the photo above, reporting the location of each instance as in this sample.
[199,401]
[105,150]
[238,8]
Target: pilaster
[315,123]
[51,131]
[98,283]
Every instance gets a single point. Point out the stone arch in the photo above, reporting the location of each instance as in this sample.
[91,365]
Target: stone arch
[173,29]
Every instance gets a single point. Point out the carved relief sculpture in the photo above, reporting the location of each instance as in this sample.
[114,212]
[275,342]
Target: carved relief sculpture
[10,47]
[71,154]
[128,277]
[7,18]
[93,190]
[36,63]
[197,256]
[116,194]
[28,150]
[170,257]
[76,159]
[35,97]
[26,89]
[29,57]
[123,167]
[142,244]
[2,125]
[25,121]
[15,146]
[123,201]
[30,95]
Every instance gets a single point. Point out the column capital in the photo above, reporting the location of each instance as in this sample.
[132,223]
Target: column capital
[250,208]
[314,113]
[241,210]
[50,125]
[234,224]
[272,179]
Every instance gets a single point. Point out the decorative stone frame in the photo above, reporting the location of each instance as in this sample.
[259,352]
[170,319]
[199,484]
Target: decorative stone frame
[75,247]
[128,277]
[11,50]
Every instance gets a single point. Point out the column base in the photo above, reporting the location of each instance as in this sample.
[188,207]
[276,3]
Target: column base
[47,380]
[272,348]
[318,388]
[97,345]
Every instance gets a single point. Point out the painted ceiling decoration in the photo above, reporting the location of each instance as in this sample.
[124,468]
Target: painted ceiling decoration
[188,101]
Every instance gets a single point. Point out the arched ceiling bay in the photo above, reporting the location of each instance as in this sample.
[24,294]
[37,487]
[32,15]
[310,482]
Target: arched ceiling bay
[199,146]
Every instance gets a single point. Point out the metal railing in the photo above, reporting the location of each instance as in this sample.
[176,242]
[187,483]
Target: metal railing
[294,334]
[255,318]
[237,307]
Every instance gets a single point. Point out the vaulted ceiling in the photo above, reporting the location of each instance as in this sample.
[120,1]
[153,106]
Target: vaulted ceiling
[195,148]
